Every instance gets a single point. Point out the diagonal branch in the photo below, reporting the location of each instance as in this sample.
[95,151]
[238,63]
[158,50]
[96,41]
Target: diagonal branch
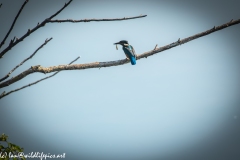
[5,94]
[40,69]
[5,77]
[3,41]
[188,39]
[96,20]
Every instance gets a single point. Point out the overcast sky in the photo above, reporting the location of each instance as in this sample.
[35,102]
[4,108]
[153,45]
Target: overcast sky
[183,103]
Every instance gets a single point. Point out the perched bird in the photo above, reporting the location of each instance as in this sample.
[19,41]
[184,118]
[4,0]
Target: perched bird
[128,50]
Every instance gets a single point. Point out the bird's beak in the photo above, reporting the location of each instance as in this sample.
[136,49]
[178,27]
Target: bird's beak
[116,43]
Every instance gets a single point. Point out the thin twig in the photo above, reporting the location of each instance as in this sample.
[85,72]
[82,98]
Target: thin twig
[3,41]
[30,31]
[5,94]
[73,61]
[96,20]
[112,63]
[5,77]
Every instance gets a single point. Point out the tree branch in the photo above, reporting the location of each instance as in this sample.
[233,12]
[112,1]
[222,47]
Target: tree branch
[30,31]
[5,77]
[5,94]
[96,20]
[113,63]
[3,41]
[185,40]
[48,20]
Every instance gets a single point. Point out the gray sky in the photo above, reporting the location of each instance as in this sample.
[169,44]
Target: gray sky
[179,104]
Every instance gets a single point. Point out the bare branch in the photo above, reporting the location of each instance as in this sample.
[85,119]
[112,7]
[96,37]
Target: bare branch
[48,20]
[5,94]
[188,39]
[3,41]
[96,20]
[5,77]
[112,63]
[30,31]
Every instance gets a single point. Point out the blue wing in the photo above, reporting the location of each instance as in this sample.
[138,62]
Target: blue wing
[130,53]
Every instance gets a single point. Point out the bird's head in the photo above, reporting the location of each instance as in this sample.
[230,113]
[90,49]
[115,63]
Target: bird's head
[122,42]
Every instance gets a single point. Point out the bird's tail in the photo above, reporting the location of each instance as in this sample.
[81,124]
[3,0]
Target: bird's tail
[133,60]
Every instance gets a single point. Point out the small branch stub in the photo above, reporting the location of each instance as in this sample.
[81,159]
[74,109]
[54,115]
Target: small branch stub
[155,47]
[2,93]
[179,40]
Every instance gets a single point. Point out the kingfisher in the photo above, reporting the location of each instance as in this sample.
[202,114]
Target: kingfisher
[128,50]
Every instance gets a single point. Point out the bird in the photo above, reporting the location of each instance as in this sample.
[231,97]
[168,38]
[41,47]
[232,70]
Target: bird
[128,50]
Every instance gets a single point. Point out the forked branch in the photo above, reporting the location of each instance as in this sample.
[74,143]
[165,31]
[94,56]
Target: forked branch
[14,41]
[9,73]
[5,94]
[30,31]
[156,50]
